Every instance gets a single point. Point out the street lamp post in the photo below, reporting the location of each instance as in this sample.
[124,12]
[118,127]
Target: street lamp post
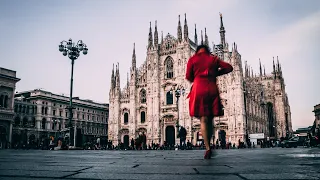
[178,92]
[73,51]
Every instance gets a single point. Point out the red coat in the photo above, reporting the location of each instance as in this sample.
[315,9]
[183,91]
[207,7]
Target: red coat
[202,70]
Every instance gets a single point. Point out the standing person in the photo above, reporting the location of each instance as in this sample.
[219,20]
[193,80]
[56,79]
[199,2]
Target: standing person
[182,135]
[202,70]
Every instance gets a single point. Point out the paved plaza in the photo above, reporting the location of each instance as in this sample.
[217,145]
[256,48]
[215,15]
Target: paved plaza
[237,164]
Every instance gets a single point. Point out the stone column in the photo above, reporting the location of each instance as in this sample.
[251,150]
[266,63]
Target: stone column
[38,122]
[48,123]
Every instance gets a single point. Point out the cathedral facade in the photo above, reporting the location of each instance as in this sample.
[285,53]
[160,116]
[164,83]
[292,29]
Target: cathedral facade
[154,100]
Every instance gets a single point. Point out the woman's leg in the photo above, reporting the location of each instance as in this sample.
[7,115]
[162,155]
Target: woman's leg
[209,128]
[205,131]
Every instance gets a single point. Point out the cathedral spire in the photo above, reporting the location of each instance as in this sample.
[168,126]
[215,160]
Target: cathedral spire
[127,79]
[195,34]
[150,41]
[117,83]
[252,72]
[206,41]
[185,29]
[260,67]
[134,61]
[112,77]
[233,50]
[222,32]
[156,36]
[213,48]
[201,38]
[245,69]
[179,31]
[264,70]
[278,64]
[161,37]
[274,67]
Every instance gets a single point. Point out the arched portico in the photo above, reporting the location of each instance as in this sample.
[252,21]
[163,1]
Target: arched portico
[167,123]
[220,132]
[122,134]
[170,135]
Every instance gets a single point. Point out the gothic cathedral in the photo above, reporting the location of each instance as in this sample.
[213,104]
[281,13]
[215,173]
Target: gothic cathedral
[154,100]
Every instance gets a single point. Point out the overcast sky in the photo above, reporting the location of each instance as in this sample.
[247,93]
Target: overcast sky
[30,32]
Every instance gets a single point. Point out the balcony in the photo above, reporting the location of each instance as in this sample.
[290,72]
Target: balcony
[169,108]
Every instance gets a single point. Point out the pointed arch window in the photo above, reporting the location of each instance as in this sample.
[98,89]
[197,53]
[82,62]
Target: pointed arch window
[169,97]
[143,96]
[143,117]
[6,99]
[168,63]
[126,118]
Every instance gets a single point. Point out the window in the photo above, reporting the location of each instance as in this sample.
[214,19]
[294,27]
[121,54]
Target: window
[66,114]
[126,118]
[25,121]
[83,116]
[5,105]
[54,112]
[143,96]
[1,100]
[168,63]
[42,110]
[17,121]
[33,122]
[60,113]
[143,117]
[44,123]
[169,98]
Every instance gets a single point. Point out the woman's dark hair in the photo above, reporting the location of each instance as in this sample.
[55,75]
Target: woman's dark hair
[207,49]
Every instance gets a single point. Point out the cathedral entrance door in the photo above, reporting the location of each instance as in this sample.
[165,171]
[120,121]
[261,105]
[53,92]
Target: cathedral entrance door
[170,135]
[126,141]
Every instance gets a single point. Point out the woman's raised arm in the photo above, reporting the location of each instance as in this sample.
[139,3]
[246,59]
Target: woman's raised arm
[225,67]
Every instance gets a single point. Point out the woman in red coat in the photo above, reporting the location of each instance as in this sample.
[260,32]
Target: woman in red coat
[204,103]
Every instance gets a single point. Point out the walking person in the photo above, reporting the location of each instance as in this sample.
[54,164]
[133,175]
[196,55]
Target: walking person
[202,70]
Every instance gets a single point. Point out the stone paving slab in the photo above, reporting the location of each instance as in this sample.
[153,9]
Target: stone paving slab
[34,174]
[275,163]
[154,176]
[278,176]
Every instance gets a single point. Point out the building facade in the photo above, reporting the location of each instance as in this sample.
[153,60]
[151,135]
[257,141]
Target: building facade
[316,123]
[40,114]
[252,103]
[8,82]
